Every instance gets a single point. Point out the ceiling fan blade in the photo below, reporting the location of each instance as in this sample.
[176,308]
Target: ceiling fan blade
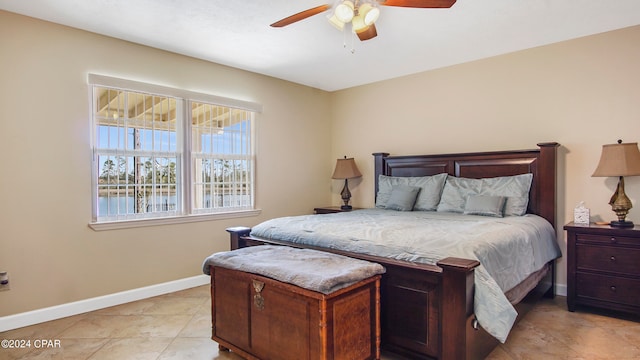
[301,15]
[419,3]
[367,34]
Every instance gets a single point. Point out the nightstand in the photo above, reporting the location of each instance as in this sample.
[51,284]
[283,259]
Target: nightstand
[603,267]
[330,210]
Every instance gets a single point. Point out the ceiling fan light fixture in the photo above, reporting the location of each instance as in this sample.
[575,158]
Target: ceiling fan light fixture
[344,11]
[358,24]
[369,12]
[333,20]
[367,33]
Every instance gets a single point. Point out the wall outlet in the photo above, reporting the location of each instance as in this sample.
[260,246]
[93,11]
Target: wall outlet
[4,281]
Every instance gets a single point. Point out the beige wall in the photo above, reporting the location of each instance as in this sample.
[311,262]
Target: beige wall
[51,254]
[581,93]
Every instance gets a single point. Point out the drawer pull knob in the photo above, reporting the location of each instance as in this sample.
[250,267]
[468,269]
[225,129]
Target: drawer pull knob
[612,258]
[613,288]
[613,239]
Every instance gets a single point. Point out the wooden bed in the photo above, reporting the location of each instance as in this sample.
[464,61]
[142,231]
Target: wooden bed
[427,310]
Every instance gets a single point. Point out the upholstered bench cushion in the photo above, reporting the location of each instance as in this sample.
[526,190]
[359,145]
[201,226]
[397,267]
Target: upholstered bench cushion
[309,269]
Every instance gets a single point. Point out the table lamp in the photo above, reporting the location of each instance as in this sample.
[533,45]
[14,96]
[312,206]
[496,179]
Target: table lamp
[621,159]
[346,169]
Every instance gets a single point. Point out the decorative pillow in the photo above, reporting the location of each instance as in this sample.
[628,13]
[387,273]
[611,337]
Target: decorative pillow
[485,205]
[514,188]
[402,198]
[428,196]
[455,192]
[430,191]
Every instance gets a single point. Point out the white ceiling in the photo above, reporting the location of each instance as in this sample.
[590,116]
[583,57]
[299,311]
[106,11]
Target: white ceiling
[311,52]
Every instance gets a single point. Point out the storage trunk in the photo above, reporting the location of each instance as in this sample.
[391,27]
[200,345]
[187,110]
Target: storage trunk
[262,318]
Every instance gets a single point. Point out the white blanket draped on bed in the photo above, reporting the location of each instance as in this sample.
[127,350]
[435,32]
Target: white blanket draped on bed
[509,249]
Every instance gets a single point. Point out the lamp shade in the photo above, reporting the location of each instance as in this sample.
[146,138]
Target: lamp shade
[621,159]
[346,169]
[333,20]
[358,24]
[369,13]
[345,11]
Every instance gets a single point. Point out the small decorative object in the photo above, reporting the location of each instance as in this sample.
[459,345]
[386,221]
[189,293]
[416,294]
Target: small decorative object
[581,214]
[258,299]
[346,169]
[621,159]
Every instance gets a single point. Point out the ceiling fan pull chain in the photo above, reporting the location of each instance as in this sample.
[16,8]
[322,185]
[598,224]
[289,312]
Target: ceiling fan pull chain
[344,38]
[348,33]
[353,42]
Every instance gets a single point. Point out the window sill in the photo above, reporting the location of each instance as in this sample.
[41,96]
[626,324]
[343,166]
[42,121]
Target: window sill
[127,224]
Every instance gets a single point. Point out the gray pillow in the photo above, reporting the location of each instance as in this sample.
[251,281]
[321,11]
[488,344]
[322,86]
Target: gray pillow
[456,191]
[402,198]
[428,196]
[485,205]
[514,188]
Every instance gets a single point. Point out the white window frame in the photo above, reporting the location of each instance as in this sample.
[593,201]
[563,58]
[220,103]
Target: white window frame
[186,213]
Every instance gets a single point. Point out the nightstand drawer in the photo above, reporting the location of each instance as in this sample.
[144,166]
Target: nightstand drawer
[608,288]
[607,240]
[617,260]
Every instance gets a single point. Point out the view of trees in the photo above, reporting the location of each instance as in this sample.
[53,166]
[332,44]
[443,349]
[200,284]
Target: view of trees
[141,176]
[215,171]
[148,172]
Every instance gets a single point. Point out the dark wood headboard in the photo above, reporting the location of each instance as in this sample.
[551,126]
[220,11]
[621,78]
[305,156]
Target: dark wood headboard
[540,162]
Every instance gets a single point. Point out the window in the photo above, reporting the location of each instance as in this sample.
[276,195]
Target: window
[222,158]
[164,153]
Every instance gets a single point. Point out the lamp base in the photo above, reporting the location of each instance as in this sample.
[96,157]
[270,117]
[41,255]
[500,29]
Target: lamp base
[621,224]
[346,195]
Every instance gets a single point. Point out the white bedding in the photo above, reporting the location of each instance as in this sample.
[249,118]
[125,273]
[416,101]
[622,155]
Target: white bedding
[509,249]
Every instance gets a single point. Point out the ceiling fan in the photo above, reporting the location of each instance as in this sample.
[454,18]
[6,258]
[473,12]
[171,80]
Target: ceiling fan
[361,14]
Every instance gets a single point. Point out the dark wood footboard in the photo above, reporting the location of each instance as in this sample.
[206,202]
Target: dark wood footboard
[426,310]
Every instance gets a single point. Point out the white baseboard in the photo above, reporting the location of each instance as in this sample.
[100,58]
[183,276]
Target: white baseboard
[561,289]
[78,307]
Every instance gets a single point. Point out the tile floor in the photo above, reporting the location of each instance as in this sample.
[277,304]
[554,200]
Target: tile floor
[177,326]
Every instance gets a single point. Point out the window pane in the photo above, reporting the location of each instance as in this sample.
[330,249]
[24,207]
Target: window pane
[223,157]
[137,154]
